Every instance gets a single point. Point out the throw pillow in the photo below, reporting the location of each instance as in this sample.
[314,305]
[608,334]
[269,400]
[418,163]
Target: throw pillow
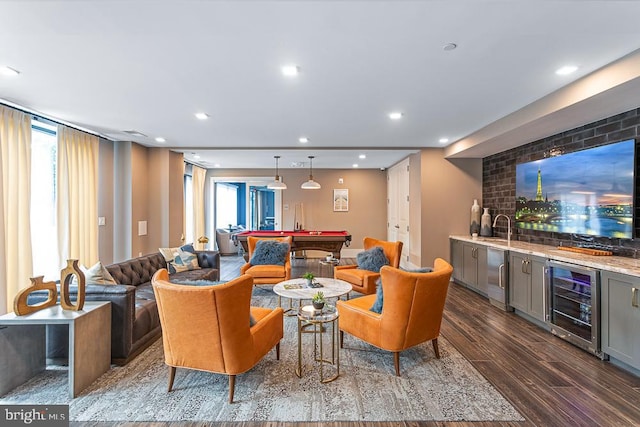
[270,252]
[188,248]
[184,261]
[377,305]
[372,259]
[99,275]
[168,253]
[96,275]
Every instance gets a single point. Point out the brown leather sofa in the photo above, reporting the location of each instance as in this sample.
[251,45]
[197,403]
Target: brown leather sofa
[135,323]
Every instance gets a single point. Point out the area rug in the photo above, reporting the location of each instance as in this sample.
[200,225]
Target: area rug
[430,389]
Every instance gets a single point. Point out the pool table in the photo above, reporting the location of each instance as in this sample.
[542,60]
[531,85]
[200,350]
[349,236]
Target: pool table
[330,241]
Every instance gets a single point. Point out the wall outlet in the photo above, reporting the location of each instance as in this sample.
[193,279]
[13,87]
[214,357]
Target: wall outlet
[102,221]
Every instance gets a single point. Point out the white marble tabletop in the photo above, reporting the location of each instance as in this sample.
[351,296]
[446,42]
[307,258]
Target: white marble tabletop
[331,288]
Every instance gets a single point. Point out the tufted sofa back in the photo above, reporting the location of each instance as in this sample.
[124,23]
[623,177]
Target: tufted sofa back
[137,271]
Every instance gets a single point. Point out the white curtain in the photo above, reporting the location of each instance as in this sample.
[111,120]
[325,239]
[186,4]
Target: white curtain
[198,179]
[15,226]
[77,207]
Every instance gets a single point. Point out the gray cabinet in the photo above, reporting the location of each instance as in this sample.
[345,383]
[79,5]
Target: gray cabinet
[620,317]
[526,284]
[469,262]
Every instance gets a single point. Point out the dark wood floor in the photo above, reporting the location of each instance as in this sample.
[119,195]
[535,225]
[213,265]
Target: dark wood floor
[550,382]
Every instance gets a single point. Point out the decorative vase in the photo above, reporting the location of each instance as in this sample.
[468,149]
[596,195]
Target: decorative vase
[475,218]
[485,224]
[66,275]
[309,282]
[20,306]
[318,305]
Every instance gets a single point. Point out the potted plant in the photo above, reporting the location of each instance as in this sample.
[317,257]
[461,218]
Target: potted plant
[318,301]
[309,277]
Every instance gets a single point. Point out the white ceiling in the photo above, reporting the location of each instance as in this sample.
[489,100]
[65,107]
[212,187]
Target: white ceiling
[115,66]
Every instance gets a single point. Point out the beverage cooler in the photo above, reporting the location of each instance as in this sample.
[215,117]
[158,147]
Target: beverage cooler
[573,298]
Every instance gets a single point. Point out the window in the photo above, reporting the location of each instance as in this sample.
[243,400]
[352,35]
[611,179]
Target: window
[227,197]
[44,232]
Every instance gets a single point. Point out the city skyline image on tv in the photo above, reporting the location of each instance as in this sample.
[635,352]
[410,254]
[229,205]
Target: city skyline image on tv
[586,192]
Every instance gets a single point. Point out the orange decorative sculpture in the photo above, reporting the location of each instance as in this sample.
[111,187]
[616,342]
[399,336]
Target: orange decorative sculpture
[20,306]
[66,275]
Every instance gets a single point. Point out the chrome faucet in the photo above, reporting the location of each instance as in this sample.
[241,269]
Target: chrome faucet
[495,220]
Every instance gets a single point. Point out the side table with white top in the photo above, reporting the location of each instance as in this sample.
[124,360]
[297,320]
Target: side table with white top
[297,289]
[308,315]
[22,339]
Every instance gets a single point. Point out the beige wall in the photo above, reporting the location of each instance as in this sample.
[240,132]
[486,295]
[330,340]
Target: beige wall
[175,208]
[105,201]
[441,192]
[140,190]
[448,189]
[139,184]
[367,213]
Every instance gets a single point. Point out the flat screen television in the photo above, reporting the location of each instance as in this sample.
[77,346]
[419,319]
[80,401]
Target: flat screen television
[588,192]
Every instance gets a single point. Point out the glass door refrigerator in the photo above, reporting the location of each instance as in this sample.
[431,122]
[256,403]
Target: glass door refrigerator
[573,293]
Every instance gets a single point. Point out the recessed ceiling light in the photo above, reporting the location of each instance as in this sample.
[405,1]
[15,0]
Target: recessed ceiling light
[443,140]
[217,165]
[160,139]
[290,70]
[202,116]
[8,71]
[362,156]
[396,115]
[303,139]
[355,165]
[567,69]
[196,156]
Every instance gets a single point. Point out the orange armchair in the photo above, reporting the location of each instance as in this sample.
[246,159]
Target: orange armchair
[267,274]
[411,312]
[207,327]
[364,281]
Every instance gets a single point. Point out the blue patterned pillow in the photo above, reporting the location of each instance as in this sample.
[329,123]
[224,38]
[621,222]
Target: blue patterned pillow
[183,261]
[372,259]
[377,305]
[270,252]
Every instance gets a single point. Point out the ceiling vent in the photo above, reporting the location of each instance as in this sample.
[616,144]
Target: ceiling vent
[135,133]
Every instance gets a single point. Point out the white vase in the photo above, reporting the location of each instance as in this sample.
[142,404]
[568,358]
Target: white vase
[475,218]
[485,224]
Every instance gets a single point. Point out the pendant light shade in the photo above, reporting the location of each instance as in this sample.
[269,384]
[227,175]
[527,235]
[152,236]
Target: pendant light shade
[311,184]
[277,184]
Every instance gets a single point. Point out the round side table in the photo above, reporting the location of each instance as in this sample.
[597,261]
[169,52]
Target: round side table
[327,265]
[307,315]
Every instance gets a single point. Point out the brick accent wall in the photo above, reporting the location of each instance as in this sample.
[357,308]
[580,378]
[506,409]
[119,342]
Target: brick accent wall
[499,180]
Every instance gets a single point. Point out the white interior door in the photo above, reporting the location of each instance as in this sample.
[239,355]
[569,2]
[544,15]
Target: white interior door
[403,211]
[398,207]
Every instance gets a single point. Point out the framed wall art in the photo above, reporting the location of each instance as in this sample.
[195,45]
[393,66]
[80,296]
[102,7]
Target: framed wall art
[341,200]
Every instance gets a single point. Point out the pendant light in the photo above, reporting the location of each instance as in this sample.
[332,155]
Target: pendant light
[277,184]
[311,184]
